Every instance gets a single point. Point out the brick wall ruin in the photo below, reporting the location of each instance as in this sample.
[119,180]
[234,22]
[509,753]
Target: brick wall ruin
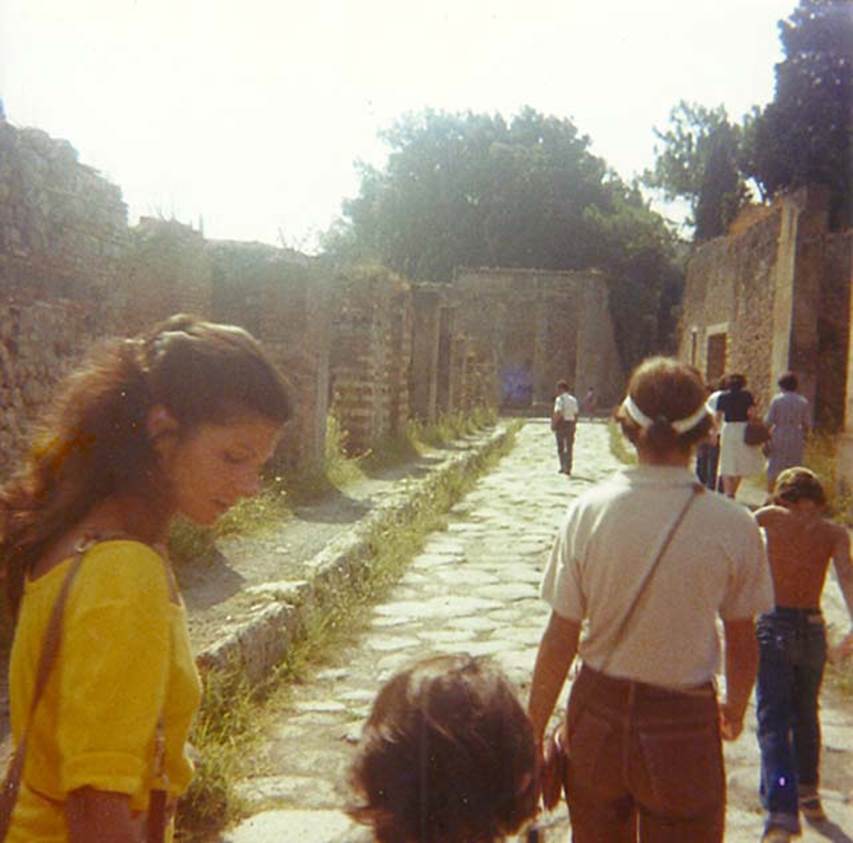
[775,295]
[536,327]
[369,344]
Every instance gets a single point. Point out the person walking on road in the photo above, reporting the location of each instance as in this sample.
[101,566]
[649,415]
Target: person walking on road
[735,407]
[793,648]
[630,561]
[789,420]
[708,452]
[564,419]
[589,403]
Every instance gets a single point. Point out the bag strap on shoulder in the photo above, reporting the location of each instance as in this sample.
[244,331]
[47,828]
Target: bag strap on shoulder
[49,651]
[666,540]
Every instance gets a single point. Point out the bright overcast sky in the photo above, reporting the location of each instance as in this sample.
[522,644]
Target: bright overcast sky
[251,113]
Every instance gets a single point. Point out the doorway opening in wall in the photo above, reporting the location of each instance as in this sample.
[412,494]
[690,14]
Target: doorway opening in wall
[517,386]
[715,358]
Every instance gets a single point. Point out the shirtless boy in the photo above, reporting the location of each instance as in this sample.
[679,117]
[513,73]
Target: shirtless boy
[792,644]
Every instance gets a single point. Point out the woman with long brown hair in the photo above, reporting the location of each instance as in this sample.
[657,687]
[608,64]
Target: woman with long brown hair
[650,561]
[102,681]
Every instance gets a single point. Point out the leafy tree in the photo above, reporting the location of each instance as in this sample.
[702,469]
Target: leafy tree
[803,136]
[698,162]
[477,190]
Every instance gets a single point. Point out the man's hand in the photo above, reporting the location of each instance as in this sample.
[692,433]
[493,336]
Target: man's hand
[731,723]
[741,663]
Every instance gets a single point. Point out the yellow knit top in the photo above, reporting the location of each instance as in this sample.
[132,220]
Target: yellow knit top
[124,660]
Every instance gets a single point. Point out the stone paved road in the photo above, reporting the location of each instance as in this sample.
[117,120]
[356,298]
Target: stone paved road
[473,588]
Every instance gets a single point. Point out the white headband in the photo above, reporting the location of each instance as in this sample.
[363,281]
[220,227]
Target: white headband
[679,425]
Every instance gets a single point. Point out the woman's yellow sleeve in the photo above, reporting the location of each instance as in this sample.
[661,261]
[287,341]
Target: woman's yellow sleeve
[114,665]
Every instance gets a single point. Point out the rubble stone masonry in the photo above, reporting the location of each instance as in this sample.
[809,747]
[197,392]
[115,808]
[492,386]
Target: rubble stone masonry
[362,341]
[775,295]
[537,327]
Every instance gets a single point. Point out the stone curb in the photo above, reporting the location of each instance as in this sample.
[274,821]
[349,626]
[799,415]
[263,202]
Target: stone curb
[253,648]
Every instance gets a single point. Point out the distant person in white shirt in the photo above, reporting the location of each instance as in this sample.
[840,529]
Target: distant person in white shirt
[564,419]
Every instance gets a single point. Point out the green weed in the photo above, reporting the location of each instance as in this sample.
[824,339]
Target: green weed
[282,491]
[229,720]
[228,712]
[821,457]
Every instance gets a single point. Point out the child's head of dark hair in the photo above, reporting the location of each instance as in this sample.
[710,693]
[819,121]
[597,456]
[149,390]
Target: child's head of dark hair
[447,756]
[796,484]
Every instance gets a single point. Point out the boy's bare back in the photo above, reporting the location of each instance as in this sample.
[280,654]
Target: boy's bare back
[800,545]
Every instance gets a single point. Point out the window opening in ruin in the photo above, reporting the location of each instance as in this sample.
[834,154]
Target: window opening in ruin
[694,345]
[715,361]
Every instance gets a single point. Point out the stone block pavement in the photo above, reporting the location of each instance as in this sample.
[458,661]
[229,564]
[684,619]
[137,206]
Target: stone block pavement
[473,588]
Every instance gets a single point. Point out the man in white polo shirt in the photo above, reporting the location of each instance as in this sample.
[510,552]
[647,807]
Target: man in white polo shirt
[647,562]
[564,419]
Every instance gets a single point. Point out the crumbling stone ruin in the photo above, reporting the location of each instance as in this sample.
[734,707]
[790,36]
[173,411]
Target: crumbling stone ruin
[541,326]
[371,346]
[775,295]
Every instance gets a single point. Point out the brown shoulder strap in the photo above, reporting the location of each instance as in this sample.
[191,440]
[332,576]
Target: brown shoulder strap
[695,491]
[49,651]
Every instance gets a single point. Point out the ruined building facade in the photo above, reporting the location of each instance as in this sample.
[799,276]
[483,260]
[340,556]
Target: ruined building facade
[541,326]
[774,295]
[362,343]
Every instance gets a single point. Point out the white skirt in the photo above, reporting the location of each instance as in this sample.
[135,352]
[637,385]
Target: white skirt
[737,459]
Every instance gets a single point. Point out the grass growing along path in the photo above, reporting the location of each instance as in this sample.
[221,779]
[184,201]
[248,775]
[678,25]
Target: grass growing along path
[231,715]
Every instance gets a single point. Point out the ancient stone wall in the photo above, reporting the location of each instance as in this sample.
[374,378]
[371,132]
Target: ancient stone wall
[729,293]
[362,339]
[774,296]
[165,269]
[400,359]
[283,299]
[427,300]
[370,354]
[537,327]
[846,449]
[63,233]
[72,273]
[833,330]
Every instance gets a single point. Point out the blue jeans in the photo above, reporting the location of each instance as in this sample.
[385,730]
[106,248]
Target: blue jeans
[707,457]
[792,654]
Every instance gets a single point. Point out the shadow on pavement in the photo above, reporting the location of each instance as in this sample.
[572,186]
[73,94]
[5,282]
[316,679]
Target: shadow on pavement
[831,831]
[204,584]
[335,507]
